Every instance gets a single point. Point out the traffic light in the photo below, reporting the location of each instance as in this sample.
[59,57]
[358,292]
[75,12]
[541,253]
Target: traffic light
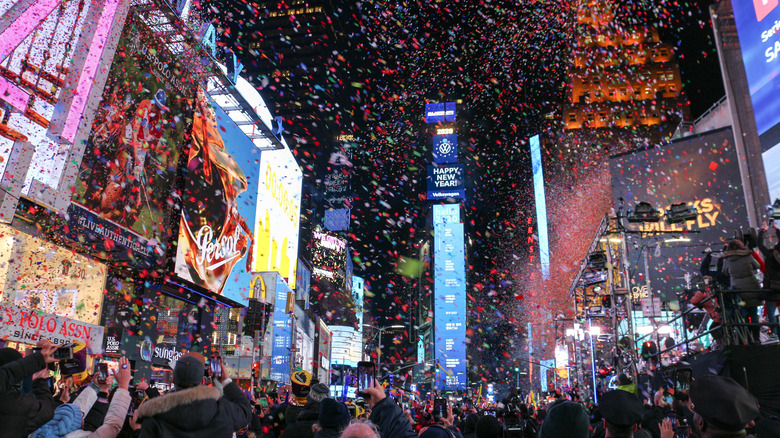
[517,369]
[649,349]
[256,371]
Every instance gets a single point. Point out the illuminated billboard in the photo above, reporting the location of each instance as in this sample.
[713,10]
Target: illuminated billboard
[700,171]
[123,196]
[440,112]
[759,40]
[446,181]
[50,53]
[282,332]
[446,214]
[278,214]
[450,306]
[331,281]
[445,148]
[541,205]
[216,227]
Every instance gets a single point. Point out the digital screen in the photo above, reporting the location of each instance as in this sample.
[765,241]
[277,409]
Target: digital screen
[216,228]
[440,112]
[541,205]
[278,214]
[446,214]
[445,148]
[450,306]
[122,197]
[282,336]
[700,171]
[446,181]
[760,42]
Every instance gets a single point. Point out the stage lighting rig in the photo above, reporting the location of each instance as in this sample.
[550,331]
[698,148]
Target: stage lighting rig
[680,213]
[643,212]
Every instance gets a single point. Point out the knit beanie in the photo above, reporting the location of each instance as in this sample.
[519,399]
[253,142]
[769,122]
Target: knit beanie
[318,392]
[301,385]
[67,418]
[8,355]
[333,414]
[565,420]
[189,372]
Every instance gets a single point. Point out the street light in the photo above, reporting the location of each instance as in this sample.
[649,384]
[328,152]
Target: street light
[379,340]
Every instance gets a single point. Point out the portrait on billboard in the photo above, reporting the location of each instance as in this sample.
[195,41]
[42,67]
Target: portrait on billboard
[123,192]
[215,237]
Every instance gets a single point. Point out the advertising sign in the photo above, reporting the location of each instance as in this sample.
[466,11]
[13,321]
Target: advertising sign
[450,306]
[278,214]
[446,214]
[50,52]
[358,290]
[445,148]
[28,326]
[541,205]
[700,171]
[338,174]
[440,112]
[216,229]
[123,194]
[446,181]
[760,42]
[282,334]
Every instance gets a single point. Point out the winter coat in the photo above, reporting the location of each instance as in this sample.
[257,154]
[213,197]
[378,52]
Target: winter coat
[113,421]
[201,411]
[16,371]
[741,268]
[391,420]
[21,414]
[327,433]
[306,419]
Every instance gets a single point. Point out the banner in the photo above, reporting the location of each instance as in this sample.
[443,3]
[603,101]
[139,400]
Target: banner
[216,228]
[446,181]
[28,326]
[123,196]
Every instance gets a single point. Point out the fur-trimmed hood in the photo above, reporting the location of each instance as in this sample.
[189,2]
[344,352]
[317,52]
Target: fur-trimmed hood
[189,407]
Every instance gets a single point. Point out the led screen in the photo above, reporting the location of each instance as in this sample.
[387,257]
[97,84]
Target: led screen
[446,181]
[123,196]
[450,306]
[700,171]
[216,228]
[541,205]
[282,334]
[440,112]
[445,148]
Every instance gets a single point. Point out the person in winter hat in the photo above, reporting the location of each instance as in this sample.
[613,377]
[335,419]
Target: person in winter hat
[334,417]
[302,427]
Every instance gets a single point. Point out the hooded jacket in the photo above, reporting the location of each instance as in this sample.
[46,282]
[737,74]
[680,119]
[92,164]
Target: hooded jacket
[201,411]
[741,267]
[391,420]
[21,414]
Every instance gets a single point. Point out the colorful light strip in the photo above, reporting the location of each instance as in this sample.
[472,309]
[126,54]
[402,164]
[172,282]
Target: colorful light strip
[86,80]
[541,206]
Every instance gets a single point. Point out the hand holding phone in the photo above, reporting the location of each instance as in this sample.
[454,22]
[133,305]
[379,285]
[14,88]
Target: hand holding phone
[439,408]
[366,376]
[682,383]
[102,376]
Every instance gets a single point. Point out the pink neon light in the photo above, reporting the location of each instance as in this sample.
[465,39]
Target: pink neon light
[24,25]
[90,69]
[14,95]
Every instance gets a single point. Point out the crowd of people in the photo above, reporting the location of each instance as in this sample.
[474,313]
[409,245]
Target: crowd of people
[206,403]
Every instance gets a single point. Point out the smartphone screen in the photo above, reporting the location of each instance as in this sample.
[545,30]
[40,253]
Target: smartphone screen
[216,369]
[102,373]
[439,408]
[64,352]
[366,376]
[682,383]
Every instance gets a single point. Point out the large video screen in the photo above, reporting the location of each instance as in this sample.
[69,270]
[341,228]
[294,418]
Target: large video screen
[759,39]
[216,228]
[700,171]
[123,196]
[450,306]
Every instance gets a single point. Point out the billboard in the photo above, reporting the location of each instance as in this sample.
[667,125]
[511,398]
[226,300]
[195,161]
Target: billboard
[445,148]
[446,214]
[337,180]
[701,171]
[440,112]
[50,53]
[331,294]
[123,197]
[541,205]
[446,181]
[760,42]
[450,306]
[282,333]
[278,214]
[216,227]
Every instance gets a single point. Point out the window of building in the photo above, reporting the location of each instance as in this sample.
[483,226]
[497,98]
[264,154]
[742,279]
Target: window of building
[572,117]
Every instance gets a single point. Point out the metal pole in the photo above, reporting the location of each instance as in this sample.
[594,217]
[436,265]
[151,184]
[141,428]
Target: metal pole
[592,362]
